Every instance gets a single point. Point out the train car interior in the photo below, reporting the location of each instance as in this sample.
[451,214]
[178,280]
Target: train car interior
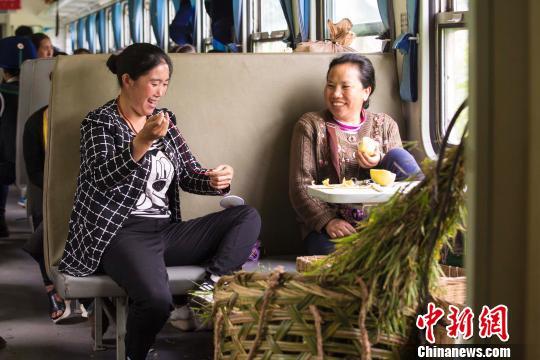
[456,80]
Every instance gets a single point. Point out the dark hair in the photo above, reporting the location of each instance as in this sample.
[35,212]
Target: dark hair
[81,51]
[365,68]
[57,52]
[23,30]
[37,39]
[136,60]
[184,49]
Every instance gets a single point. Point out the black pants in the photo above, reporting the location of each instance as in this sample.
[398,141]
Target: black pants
[138,255]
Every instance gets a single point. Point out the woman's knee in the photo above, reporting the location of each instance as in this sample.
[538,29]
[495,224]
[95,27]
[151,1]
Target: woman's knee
[401,162]
[317,243]
[248,213]
[399,154]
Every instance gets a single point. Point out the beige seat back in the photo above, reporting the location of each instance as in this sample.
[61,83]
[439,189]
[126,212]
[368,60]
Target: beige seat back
[234,109]
[34,93]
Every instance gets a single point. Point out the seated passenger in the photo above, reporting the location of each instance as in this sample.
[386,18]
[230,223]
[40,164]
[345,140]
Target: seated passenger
[126,218]
[13,51]
[43,45]
[325,146]
[34,141]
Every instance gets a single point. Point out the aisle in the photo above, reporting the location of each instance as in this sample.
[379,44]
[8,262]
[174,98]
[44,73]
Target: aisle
[24,321]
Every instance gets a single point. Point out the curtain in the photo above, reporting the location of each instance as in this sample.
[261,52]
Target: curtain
[383,11]
[408,88]
[81,33]
[91,32]
[102,30]
[135,19]
[237,19]
[287,6]
[158,17]
[303,16]
[117,25]
[73,35]
[176,4]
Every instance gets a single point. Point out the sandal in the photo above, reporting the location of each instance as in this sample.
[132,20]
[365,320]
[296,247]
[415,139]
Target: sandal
[55,305]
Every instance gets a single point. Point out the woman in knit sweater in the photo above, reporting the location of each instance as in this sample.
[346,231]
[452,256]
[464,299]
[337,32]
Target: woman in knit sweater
[325,146]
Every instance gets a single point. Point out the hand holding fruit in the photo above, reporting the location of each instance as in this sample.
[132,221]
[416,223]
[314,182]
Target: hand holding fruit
[369,154]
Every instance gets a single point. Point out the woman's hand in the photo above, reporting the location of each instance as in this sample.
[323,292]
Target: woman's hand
[154,128]
[337,228]
[367,162]
[221,177]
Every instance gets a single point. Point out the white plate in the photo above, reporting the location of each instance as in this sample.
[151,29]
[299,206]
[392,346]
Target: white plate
[230,201]
[364,194]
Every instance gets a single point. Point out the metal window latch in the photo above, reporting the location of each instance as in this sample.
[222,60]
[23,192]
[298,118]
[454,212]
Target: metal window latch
[415,38]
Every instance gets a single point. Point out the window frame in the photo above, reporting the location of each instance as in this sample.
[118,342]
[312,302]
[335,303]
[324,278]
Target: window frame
[443,20]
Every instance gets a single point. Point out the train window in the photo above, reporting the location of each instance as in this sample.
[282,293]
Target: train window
[366,19]
[269,28]
[452,69]
[271,16]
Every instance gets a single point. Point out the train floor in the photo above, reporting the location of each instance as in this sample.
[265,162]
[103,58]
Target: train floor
[24,319]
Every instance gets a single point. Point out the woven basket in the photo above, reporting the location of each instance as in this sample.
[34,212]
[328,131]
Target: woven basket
[451,290]
[452,287]
[293,316]
[305,263]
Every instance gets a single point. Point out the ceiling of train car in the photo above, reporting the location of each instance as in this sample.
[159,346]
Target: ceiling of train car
[73,9]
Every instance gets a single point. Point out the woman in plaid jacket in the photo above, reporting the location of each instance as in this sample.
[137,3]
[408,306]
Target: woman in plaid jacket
[126,218]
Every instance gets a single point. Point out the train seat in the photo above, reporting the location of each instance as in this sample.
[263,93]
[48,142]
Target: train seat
[34,93]
[236,109]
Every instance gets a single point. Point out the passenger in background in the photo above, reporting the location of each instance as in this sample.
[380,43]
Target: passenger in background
[13,50]
[34,142]
[81,51]
[43,45]
[57,52]
[325,146]
[23,30]
[184,49]
[126,218]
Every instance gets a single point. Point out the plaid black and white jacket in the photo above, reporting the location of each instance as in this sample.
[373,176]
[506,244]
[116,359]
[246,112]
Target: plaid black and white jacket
[110,182]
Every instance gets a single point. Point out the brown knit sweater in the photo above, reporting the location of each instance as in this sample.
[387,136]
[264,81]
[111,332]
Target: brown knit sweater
[310,160]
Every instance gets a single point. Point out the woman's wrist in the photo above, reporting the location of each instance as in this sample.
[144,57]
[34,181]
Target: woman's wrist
[139,148]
